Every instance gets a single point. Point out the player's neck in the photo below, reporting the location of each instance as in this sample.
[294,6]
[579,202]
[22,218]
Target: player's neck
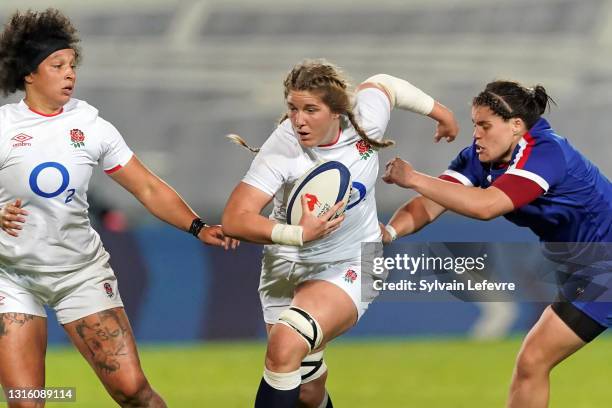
[505,160]
[333,135]
[39,105]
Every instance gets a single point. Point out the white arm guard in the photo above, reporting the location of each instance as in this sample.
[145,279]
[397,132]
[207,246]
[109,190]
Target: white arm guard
[392,232]
[285,234]
[403,94]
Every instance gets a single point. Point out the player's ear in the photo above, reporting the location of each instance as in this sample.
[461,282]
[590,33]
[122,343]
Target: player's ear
[517,126]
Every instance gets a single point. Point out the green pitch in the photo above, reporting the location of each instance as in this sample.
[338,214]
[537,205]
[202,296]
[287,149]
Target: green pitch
[383,373]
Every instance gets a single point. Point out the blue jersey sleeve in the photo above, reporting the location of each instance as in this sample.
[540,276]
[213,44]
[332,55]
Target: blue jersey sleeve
[465,168]
[539,159]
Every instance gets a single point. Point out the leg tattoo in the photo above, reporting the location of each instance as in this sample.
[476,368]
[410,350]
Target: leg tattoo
[13,319]
[105,340]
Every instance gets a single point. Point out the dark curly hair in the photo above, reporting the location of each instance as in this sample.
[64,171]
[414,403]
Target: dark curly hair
[24,37]
[510,99]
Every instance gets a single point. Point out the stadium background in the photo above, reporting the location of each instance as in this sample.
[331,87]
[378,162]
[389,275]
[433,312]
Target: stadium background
[175,76]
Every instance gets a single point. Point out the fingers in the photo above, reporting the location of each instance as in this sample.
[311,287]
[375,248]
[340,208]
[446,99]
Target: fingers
[445,133]
[230,243]
[217,233]
[332,211]
[392,162]
[213,235]
[11,229]
[12,217]
[388,169]
[449,137]
[15,209]
[213,240]
[333,225]
[304,202]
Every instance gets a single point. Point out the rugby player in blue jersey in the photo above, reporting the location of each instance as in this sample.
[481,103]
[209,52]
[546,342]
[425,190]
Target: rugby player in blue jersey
[518,167]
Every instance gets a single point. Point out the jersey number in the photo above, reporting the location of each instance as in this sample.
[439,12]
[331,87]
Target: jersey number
[65,181]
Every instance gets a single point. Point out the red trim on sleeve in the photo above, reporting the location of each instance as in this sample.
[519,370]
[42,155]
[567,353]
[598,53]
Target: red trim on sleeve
[519,189]
[114,169]
[446,177]
[527,151]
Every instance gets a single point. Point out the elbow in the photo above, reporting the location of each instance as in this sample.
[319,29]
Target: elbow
[232,224]
[486,216]
[228,225]
[486,213]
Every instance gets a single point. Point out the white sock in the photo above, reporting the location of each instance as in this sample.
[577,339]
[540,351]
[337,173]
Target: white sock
[283,381]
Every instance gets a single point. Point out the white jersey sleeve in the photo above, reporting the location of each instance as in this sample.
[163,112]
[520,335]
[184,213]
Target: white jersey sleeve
[373,111]
[115,152]
[268,171]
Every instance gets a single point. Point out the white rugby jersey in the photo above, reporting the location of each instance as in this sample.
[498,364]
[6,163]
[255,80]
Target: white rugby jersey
[47,161]
[281,161]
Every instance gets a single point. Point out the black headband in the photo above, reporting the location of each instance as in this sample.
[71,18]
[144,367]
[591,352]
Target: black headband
[44,50]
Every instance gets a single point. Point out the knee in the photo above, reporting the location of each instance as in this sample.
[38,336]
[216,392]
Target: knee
[285,350]
[284,357]
[530,363]
[132,393]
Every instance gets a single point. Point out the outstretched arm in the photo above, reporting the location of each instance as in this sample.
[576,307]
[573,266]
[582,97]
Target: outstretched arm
[475,202]
[403,95]
[411,217]
[164,202]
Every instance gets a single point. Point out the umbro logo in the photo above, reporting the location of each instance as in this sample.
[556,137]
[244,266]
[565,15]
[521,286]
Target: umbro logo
[21,140]
[1,300]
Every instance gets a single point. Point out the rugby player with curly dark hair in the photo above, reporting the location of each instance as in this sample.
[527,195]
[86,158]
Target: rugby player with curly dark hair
[49,253]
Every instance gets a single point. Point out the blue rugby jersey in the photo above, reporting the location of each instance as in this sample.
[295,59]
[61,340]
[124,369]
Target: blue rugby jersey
[576,205]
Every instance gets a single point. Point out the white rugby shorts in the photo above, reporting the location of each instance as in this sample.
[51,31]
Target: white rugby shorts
[72,294]
[280,277]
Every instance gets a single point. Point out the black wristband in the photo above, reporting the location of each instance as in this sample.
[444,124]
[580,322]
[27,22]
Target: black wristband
[196,226]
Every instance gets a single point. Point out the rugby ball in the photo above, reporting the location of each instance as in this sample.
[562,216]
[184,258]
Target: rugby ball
[324,185]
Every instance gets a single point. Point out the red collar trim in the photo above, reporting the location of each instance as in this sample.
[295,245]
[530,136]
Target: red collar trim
[335,140]
[47,115]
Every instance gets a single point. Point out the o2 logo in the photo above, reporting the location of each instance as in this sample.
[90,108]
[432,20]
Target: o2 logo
[361,191]
[65,181]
